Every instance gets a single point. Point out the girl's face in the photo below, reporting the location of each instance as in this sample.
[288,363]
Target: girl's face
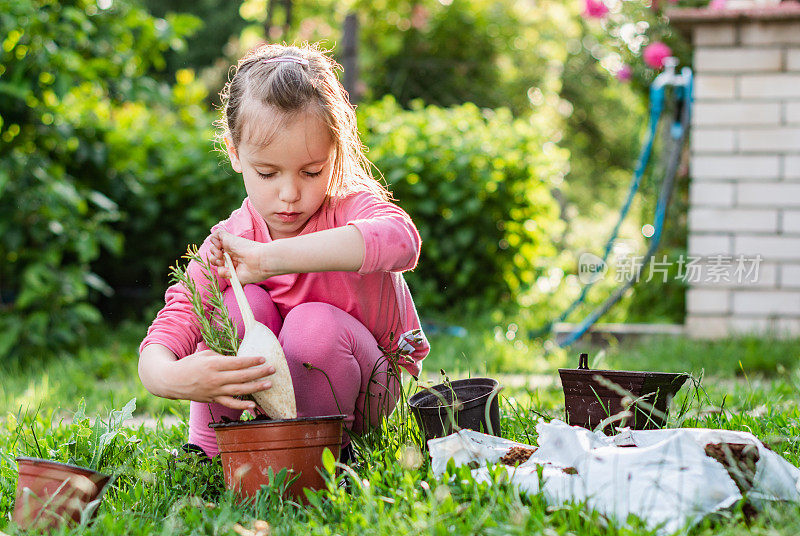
[287,180]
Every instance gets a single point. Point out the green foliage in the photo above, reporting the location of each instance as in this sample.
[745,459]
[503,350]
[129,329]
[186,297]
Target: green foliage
[102,446]
[214,25]
[67,68]
[443,54]
[167,179]
[476,184]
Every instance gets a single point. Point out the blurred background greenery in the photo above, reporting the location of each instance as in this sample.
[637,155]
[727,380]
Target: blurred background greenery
[507,129]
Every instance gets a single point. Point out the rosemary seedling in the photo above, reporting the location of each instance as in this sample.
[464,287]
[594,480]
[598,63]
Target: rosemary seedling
[216,327]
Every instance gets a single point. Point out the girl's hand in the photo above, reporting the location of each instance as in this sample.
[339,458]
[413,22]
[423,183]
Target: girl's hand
[207,376]
[246,256]
[331,250]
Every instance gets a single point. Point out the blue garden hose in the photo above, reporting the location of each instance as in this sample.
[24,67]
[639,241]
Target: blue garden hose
[678,131]
[656,109]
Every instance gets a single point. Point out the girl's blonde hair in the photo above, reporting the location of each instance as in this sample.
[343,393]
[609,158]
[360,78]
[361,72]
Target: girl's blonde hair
[306,83]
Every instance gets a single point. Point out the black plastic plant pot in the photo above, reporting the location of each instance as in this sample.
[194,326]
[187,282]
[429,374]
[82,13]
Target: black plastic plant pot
[592,396]
[445,408]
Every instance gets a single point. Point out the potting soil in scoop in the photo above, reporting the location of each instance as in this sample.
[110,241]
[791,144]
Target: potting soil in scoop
[669,478]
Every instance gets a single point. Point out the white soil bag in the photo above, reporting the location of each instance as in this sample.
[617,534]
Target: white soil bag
[665,477]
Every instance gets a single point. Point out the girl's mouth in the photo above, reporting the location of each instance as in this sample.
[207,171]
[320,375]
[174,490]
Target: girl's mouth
[287,217]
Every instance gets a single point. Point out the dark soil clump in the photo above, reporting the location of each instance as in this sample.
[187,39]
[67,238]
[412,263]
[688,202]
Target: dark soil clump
[517,455]
[739,459]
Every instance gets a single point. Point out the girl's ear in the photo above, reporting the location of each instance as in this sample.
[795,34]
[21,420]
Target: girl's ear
[233,155]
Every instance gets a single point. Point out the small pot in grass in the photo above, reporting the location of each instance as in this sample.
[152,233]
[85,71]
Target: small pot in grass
[618,398]
[448,407]
[65,484]
[51,493]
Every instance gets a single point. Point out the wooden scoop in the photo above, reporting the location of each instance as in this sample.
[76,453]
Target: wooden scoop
[278,401]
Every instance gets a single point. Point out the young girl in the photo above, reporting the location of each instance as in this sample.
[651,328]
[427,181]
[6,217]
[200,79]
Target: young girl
[320,245]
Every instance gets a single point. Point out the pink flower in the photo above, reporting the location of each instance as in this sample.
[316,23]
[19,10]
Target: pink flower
[654,54]
[717,4]
[624,73]
[594,9]
[419,17]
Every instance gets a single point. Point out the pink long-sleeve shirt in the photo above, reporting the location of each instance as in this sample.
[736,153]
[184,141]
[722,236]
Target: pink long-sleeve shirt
[376,295]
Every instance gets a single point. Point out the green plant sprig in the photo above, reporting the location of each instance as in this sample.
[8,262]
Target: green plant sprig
[216,326]
[100,445]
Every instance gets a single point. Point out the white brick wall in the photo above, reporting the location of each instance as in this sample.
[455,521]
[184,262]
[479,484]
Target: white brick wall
[718,34]
[714,87]
[735,167]
[762,86]
[745,168]
[793,59]
[766,302]
[770,33]
[711,244]
[701,301]
[787,327]
[727,272]
[711,194]
[773,194]
[790,276]
[781,139]
[737,113]
[713,140]
[791,167]
[712,327]
[791,222]
[730,220]
[792,113]
[773,248]
[750,324]
[737,59]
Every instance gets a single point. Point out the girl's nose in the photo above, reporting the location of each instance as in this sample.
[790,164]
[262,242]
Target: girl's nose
[289,192]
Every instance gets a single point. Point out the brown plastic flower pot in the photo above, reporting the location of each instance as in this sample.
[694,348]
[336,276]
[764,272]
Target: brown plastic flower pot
[249,449]
[590,396]
[50,493]
[445,408]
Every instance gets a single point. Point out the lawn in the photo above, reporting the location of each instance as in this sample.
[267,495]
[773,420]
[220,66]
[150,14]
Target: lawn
[745,384]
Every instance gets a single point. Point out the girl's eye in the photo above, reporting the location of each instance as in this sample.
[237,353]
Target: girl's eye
[265,175]
[314,173]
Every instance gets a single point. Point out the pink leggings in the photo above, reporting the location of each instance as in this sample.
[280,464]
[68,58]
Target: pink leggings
[327,338]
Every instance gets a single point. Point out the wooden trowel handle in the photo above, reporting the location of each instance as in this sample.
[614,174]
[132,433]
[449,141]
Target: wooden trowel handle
[241,299]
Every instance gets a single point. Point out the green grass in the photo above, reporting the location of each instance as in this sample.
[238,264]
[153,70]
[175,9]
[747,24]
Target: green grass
[746,384]
[104,373]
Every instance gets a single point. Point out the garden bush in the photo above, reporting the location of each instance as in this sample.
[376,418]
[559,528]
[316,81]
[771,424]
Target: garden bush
[447,53]
[171,184]
[66,68]
[476,182]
